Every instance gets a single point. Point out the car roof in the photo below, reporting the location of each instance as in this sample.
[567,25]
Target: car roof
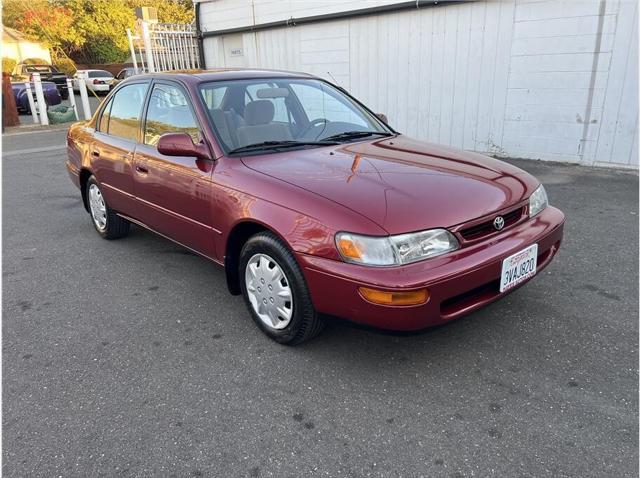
[93,69]
[197,76]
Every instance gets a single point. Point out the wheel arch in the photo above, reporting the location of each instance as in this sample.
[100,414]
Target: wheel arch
[84,176]
[236,239]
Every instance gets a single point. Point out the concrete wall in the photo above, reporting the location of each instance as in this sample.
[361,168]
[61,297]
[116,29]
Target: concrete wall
[553,80]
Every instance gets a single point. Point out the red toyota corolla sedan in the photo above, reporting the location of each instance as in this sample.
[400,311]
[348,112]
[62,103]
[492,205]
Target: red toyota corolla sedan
[311,202]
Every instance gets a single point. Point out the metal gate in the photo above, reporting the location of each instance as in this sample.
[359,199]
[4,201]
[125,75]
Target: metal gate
[164,47]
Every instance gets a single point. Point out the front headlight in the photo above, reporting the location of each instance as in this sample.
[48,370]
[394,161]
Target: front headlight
[395,250]
[538,201]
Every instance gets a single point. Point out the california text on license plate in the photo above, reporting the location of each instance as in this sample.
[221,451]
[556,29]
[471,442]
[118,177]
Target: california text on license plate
[518,267]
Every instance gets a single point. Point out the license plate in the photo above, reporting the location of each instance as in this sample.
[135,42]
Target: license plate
[518,267]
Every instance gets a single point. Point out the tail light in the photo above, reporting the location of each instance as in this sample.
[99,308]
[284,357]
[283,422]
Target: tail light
[97,82]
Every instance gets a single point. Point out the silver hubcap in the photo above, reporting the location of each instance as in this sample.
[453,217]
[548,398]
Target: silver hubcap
[269,291]
[98,207]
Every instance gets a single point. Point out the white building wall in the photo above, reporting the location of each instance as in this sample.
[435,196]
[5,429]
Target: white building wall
[553,80]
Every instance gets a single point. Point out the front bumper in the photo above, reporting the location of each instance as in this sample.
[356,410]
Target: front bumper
[458,283]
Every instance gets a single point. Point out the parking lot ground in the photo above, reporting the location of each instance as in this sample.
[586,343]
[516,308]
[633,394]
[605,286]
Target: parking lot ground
[130,358]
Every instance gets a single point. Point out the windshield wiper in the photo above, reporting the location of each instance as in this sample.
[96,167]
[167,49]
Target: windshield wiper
[264,145]
[354,135]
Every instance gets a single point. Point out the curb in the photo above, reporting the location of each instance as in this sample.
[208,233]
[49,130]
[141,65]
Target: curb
[34,128]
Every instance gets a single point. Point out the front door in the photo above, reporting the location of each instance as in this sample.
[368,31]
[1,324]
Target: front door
[174,194]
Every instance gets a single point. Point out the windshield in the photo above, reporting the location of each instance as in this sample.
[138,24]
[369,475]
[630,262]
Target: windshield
[100,74]
[41,69]
[273,111]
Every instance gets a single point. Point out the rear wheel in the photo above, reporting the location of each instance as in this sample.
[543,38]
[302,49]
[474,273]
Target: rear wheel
[275,291]
[108,224]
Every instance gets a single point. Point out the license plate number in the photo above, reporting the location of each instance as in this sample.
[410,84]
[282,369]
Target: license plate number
[518,267]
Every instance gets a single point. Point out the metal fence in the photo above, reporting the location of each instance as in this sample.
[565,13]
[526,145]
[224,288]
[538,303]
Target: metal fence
[164,46]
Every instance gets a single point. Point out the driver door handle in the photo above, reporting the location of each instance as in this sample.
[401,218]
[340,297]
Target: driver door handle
[142,169]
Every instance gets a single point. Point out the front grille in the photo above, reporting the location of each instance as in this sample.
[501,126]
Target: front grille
[485,228]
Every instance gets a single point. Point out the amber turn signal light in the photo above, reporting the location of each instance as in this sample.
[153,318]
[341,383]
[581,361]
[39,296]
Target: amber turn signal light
[349,248]
[385,297]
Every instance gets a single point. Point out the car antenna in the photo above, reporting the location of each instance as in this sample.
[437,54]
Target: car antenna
[334,80]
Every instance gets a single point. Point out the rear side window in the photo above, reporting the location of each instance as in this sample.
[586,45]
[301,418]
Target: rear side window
[126,105]
[169,112]
[40,69]
[100,74]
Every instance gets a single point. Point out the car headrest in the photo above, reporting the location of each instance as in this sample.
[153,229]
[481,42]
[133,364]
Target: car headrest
[259,112]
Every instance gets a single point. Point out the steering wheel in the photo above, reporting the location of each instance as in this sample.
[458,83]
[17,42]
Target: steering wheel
[313,123]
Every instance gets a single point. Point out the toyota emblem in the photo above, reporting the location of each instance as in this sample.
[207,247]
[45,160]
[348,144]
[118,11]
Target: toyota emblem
[498,223]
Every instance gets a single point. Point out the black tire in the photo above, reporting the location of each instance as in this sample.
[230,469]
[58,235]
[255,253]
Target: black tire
[116,226]
[305,322]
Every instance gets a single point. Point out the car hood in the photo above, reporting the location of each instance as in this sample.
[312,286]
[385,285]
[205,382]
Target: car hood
[401,184]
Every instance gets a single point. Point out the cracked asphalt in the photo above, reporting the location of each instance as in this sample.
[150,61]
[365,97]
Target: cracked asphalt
[129,357]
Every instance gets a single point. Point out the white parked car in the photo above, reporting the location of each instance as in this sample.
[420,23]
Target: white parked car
[97,80]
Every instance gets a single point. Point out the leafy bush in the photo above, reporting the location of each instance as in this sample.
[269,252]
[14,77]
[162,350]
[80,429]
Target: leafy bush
[65,65]
[8,64]
[35,61]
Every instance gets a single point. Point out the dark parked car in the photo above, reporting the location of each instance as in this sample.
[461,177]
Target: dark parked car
[312,204]
[24,72]
[126,73]
[50,91]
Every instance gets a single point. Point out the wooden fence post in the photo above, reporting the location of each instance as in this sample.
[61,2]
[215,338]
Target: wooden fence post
[9,109]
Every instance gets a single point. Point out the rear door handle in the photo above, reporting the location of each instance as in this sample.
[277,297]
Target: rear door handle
[142,169]
[95,153]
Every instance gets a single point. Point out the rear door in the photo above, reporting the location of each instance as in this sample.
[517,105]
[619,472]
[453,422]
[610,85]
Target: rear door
[117,132]
[174,193]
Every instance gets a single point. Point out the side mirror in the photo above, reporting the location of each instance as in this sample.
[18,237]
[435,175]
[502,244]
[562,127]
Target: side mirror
[382,117]
[181,144]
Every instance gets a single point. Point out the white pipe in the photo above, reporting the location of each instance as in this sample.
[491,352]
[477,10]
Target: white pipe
[133,51]
[72,98]
[42,104]
[83,95]
[32,104]
[144,69]
[147,47]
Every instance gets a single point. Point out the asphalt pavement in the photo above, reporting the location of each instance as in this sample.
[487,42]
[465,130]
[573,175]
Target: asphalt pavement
[129,357]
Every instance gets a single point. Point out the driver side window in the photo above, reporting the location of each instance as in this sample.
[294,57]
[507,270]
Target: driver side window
[169,112]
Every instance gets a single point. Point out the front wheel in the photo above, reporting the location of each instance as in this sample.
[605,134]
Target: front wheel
[275,291]
[108,224]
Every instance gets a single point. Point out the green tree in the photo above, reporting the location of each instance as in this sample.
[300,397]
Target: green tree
[53,25]
[88,31]
[169,11]
[104,23]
